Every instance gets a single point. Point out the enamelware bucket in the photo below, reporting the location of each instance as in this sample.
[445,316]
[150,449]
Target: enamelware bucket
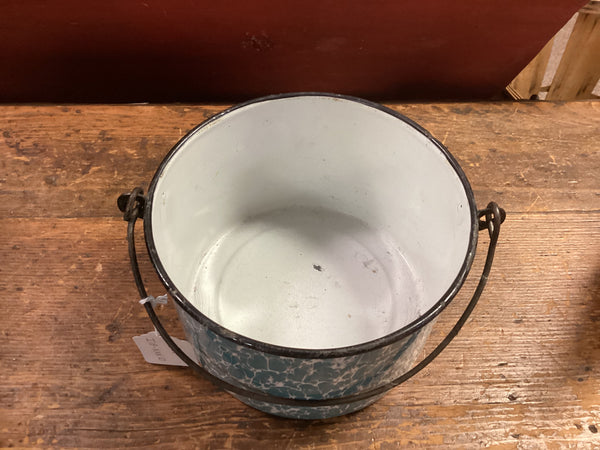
[308,242]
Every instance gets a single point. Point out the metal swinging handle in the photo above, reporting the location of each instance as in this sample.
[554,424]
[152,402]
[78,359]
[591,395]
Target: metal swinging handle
[133,205]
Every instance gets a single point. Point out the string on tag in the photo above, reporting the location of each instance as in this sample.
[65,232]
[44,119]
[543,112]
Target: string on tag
[160,300]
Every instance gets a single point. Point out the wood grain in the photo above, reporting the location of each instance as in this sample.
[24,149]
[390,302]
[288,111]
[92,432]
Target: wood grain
[529,81]
[523,373]
[63,163]
[579,68]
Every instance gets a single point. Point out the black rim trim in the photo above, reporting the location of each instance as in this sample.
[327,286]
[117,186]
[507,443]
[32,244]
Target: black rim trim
[245,341]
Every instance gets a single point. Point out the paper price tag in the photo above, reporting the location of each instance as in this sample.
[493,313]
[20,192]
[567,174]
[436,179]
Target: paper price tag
[156,351]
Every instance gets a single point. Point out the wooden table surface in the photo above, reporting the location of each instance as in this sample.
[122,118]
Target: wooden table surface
[523,373]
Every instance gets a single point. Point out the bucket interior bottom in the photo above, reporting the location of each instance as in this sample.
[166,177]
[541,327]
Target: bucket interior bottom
[307,278]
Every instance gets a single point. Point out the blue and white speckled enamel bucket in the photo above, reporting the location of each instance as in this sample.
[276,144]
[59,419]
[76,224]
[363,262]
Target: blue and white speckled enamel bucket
[309,241]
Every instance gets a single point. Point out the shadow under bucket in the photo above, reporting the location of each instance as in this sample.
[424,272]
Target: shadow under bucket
[308,241]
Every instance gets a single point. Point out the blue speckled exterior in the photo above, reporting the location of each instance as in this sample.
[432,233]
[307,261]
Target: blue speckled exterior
[302,378]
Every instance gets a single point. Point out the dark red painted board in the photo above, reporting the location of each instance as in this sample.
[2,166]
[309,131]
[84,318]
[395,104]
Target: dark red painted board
[186,50]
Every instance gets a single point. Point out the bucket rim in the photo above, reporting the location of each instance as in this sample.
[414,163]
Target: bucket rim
[313,353]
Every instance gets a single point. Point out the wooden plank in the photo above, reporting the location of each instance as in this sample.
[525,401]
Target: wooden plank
[527,156]
[579,69]
[54,158]
[74,161]
[524,371]
[529,81]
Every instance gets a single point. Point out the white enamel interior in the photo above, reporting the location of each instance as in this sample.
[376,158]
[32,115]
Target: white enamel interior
[310,222]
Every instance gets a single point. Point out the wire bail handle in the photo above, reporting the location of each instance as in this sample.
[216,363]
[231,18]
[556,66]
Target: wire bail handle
[133,205]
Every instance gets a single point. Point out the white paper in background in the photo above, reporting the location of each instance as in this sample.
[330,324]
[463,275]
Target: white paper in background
[156,351]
